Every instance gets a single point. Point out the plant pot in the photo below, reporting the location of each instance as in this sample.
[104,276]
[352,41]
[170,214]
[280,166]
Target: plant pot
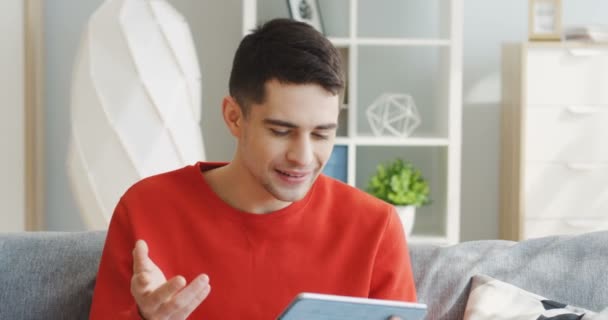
[407,216]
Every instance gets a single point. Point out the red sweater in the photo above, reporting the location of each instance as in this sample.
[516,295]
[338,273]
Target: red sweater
[337,240]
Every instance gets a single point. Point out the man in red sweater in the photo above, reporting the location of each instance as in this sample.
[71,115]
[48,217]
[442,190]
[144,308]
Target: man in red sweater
[266,226]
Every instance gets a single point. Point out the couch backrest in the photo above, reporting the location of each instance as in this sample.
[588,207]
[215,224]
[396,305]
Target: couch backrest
[46,275]
[569,269]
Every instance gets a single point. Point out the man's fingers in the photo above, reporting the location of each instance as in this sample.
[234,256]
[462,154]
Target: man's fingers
[156,297]
[152,301]
[196,298]
[185,301]
[141,261]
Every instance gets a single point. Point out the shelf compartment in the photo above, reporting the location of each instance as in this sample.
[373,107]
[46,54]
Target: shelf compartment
[336,17]
[334,14]
[432,162]
[403,18]
[337,165]
[417,71]
[401,42]
[396,141]
[344,42]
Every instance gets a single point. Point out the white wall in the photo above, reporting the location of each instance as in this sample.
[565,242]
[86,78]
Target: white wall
[63,24]
[483,35]
[12,118]
[216,28]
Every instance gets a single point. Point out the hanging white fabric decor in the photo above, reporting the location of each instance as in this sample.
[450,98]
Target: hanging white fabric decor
[394,113]
[135,103]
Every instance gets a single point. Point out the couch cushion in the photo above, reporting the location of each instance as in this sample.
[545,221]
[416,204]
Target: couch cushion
[565,268]
[48,275]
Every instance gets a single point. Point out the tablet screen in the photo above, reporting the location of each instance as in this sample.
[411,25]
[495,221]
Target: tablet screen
[316,306]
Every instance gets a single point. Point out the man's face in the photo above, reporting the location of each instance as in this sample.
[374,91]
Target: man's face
[287,139]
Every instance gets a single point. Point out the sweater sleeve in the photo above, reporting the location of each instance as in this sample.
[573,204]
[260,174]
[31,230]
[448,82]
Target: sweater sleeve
[392,277]
[112,296]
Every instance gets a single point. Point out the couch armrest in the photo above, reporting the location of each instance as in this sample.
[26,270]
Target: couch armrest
[48,275]
[569,269]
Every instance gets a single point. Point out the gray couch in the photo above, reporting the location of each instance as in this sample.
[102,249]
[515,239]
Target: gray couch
[52,275]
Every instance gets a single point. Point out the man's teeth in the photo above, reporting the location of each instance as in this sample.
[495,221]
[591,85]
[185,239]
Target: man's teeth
[290,175]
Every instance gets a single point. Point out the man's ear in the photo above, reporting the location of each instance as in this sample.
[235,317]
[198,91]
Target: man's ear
[233,115]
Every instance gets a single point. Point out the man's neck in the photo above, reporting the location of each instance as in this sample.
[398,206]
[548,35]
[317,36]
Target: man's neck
[239,189]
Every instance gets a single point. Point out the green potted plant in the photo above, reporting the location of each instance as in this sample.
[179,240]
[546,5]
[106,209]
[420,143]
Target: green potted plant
[399,183]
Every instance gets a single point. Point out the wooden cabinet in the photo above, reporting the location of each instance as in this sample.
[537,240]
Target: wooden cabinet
[554,170]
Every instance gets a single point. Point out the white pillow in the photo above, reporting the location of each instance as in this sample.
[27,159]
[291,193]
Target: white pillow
[600,316]
[493,299]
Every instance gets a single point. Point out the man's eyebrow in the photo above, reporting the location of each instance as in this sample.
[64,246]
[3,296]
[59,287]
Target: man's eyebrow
[276,122]
[327,126]
[281,123]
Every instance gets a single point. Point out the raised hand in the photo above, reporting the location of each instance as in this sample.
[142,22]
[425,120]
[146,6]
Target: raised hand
[159,299]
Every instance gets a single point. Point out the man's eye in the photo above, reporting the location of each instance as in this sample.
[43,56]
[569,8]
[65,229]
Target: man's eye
[279,133]
[320,136]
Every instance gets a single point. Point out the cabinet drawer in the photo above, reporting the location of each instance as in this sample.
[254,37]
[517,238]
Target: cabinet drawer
[570,134]
[535,228]
[567,75]
[555,191]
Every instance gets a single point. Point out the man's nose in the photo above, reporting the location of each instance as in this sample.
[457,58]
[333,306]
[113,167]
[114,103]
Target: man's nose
[300,151]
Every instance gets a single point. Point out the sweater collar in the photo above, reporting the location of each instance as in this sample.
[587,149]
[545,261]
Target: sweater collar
[288,213]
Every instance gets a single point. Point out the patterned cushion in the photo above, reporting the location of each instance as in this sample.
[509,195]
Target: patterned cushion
[494,299]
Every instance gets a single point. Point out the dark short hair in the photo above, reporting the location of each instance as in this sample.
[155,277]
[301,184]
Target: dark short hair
[288,51]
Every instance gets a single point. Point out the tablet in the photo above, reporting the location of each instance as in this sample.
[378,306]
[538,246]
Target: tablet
[306,306]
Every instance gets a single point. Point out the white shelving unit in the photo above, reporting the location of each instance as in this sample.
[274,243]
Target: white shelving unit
[400,46]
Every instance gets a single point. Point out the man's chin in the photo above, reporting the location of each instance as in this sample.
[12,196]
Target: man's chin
[290,197]
[293,195]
